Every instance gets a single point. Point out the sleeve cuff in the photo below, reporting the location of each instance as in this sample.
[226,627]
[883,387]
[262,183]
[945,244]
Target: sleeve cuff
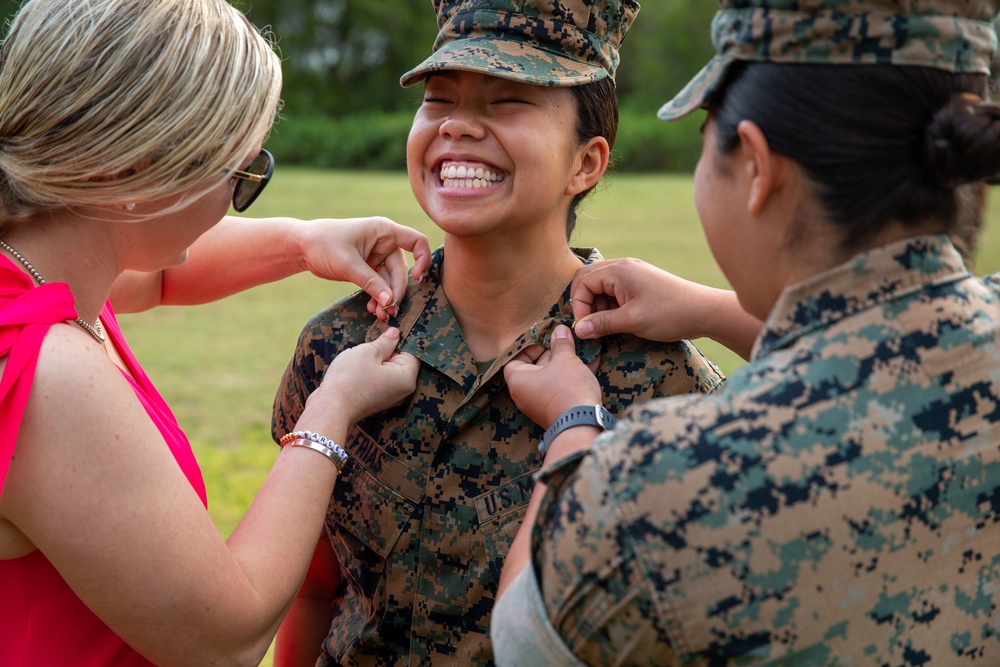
[520,629]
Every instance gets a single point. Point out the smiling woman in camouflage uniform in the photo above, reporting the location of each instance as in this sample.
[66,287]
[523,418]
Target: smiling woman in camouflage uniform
[515,127]
[837,503]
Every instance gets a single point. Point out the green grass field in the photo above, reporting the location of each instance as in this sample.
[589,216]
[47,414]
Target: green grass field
[218,365]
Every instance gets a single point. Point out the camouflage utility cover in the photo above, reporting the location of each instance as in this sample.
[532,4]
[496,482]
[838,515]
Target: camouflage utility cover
[435,489]
[541,42]
[952,35]
[837,503]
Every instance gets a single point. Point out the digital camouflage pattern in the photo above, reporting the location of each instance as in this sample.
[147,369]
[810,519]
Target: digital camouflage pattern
[435,489]
[953,35]
[542,42]
[835,504]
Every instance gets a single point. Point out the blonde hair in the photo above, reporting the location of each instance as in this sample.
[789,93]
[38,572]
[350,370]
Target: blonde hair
[105,102]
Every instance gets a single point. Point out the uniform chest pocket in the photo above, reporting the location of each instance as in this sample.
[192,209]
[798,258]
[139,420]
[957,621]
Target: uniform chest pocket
[500,512]
[372,505]
[368,519]
[369,509]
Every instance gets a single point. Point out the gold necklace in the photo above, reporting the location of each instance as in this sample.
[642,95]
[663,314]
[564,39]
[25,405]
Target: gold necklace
[96,331]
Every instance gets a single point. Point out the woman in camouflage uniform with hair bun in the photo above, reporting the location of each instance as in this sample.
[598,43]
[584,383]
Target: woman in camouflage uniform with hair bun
[515,128]
[837,503]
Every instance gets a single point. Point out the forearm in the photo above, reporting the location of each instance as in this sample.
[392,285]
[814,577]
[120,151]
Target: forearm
[728,324]
[276,541]
[235,255]
[632,296]
[240,253]
[273,541]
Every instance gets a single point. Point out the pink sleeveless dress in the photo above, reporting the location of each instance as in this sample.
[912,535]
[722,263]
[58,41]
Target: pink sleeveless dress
[42,622]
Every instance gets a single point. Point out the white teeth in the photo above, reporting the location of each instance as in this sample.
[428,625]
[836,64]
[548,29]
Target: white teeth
[460,176]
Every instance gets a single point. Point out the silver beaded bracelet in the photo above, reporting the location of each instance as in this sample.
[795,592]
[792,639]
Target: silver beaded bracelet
[317,443]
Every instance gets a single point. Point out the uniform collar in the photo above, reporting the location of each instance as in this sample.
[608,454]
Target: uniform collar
[430,331]
[867,280]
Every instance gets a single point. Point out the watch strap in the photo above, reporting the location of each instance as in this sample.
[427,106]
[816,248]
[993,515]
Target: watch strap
[581,415]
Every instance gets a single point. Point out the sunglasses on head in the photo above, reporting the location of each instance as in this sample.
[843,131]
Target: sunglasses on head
[250,182]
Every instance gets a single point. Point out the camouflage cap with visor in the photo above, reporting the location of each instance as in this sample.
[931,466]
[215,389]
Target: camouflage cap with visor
[954,35]
[541,42]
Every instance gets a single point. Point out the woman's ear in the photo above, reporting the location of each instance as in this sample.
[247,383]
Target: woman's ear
[592,162]
[766,170]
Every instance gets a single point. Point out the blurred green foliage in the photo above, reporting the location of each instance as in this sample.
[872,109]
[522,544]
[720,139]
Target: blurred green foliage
[344,107]
[346,56]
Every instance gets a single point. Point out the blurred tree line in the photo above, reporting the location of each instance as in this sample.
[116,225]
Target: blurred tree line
[343,56]
[343,59]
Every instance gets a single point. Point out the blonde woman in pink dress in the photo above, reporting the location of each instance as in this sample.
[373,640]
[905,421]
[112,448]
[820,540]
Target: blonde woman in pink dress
[127,130]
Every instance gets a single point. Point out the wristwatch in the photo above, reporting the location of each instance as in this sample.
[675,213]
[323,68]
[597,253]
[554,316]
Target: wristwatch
[581,415]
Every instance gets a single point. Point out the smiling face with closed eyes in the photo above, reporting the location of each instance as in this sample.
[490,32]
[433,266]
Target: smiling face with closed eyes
[490,155]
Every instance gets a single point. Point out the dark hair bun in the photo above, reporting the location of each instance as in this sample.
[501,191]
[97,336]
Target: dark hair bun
[962,142]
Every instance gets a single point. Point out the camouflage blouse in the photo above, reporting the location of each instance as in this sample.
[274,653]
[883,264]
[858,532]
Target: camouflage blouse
[435,489]
[835,504]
